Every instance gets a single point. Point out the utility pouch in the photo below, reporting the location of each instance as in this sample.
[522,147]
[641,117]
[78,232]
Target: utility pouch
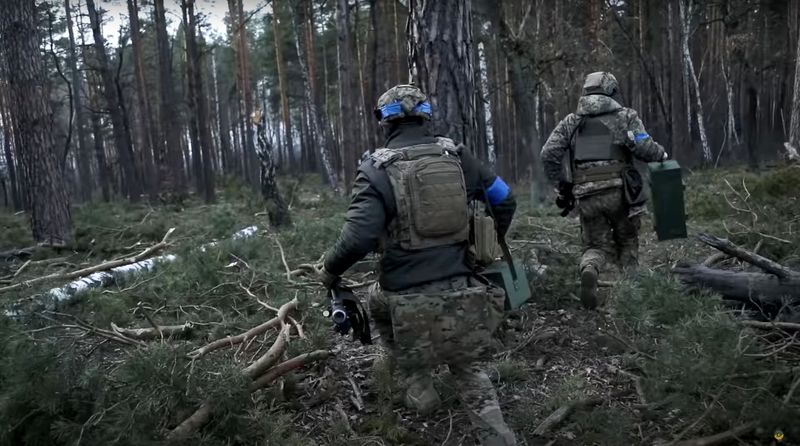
[633,187]
[483,236]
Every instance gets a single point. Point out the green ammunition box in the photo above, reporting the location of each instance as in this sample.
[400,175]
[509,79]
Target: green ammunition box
[517,290]
[669,211]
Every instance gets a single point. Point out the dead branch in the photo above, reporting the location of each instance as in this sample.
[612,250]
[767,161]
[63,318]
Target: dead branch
[287,366]
[747,287]
[190,425]
[203,414]
[720,438]
[93,269]
[249,334]
[144,334]
[268,359]
[764,263]
[21,269]
[788,326]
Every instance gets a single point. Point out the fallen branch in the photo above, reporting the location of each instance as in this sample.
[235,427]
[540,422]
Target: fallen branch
[281,369]
[720,438]
[249,334]
[144,334]
[731,249]
[788,326]
[202,415]
[20,252]
[268,359]
[101,267]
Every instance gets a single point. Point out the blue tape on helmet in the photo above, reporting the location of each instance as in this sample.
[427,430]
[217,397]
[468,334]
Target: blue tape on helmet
[639,137]
[423,107]
[497,192]
[389,110]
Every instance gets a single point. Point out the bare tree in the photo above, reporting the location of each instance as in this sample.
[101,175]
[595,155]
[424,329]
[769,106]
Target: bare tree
[122,138]
[84,151]
[51,221]
[350,128]
[793,145]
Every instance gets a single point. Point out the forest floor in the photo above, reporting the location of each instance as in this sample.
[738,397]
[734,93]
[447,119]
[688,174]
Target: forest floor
[658,365]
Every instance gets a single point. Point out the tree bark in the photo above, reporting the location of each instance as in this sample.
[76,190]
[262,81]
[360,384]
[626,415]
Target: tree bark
[277,208]
[320,132]
[679,135]
[8,145]
[198,106]
[51,221]
[169,158]
[84,154]
[686,8]
[793,145]
[146,124]
[122,139]
[283,85]
[348,89]
[441,59]
[748,287]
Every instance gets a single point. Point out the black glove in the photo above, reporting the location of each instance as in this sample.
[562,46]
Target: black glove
[565,199]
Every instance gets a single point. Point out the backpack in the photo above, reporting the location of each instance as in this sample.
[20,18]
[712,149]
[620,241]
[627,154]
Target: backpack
[430,194]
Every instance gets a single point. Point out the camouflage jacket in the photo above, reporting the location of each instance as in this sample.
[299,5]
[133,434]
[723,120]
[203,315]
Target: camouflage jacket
[619,119]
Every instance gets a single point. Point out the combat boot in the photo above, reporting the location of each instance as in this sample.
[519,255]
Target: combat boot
[421,395]
[588,293]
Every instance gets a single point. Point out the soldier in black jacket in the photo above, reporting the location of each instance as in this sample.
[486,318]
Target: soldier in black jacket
[410,200]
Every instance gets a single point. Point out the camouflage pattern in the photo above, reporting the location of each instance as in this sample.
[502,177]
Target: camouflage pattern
[609,234]
[600,82]
[620,121]
[409,96]
[448,322]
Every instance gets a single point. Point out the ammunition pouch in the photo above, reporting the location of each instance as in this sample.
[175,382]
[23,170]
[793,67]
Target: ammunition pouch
[598,173]
[633,187]
[484,247]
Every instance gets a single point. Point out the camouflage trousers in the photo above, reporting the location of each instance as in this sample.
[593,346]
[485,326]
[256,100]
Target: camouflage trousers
[609,234]
[448,322]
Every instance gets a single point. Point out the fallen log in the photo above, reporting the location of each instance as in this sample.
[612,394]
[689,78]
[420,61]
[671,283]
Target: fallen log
[93,269]
[749,287]
[51,299]
[165,331]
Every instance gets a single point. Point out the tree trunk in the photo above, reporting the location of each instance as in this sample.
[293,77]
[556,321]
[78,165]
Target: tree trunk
[277,208]
[199,125]
[679,140]
[169,158]
[793,146]
[223,120]
[685,8]
[103,173]
[239,39]
[348,89]
[8,145]
[146,124]
[748,287]
[283,85]
[51,222]
[440,55]
[84,154]
[122,139]
[318,118]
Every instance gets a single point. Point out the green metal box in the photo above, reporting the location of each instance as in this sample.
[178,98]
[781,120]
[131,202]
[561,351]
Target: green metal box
[515,284]
[669,209]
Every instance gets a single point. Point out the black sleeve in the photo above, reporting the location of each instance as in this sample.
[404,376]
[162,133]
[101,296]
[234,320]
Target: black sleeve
[484,185]
[363,228]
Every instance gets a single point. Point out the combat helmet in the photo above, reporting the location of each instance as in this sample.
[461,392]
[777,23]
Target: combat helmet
[600,82]
[402,101]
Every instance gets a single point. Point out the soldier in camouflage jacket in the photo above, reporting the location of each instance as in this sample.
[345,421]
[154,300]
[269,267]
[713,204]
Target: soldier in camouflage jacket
[598,143]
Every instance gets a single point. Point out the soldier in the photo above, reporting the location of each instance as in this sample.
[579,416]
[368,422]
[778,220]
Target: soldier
[602,138]
[410,200]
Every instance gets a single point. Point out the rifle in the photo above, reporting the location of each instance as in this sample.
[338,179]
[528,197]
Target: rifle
[347,313]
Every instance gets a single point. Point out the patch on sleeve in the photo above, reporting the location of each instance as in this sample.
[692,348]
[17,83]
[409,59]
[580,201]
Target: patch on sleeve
[639,137]
[497,192]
